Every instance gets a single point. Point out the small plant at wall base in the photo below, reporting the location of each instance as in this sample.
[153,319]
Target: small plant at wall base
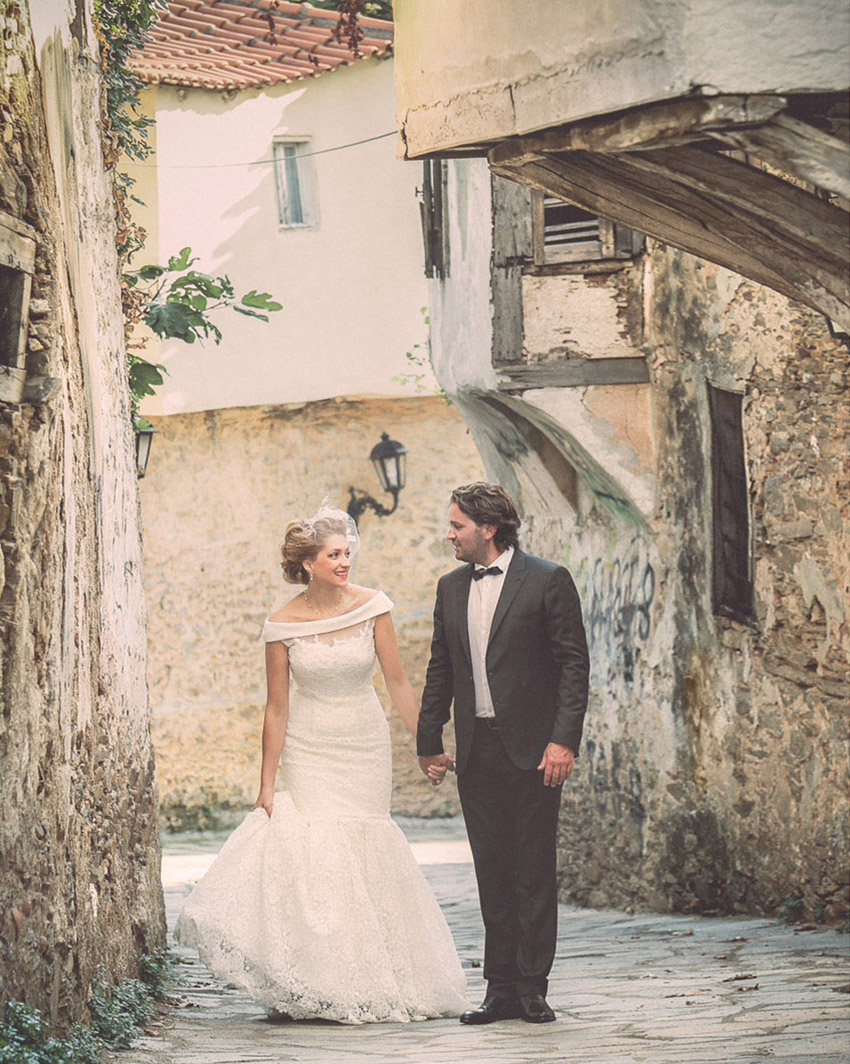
[790,908]
[175,302]
[118,1013]
[25,1038]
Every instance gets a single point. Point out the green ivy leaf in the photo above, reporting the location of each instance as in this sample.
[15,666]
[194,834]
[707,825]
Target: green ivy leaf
[263,300]
[144,273]
[145,376]
[174,320]
[250,313]
[181,261]
[201,282]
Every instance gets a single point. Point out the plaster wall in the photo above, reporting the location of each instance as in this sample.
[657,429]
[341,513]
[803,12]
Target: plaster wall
[212,573]
[79,853]
[351,286]
[509,67]
[461,329]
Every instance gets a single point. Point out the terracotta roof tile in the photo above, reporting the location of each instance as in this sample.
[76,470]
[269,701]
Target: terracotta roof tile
[235,44]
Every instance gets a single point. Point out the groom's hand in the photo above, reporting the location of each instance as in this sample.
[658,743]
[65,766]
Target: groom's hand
[436,767]
[556,764]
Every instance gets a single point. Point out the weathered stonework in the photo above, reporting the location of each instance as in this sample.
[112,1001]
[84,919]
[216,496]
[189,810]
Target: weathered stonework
[716,763]
[220,488]
[79,852]
[715,769]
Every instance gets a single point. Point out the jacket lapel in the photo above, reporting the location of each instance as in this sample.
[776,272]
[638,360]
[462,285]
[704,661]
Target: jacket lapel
[462,608]
[514,580]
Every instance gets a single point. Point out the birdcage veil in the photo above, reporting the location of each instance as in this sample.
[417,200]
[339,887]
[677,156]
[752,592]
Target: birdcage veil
[326,512]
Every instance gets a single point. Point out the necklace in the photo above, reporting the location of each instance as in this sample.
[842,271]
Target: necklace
[334,609]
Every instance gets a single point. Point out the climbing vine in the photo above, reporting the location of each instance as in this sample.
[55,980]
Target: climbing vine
[122,27]
[174,301]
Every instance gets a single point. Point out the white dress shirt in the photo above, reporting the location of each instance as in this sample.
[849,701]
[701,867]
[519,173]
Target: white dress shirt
[483,599]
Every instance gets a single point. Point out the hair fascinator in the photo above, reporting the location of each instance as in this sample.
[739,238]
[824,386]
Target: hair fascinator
[333,513]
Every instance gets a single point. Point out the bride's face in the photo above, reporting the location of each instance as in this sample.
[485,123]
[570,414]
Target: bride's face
[333,562]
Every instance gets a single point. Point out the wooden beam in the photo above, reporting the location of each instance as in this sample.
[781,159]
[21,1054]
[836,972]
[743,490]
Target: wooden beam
[797,148]
[711,206]
[572,373]
[12,381]
[17,244]
[659,125]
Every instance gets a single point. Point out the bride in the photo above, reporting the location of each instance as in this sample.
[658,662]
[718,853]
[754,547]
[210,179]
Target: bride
[315,906]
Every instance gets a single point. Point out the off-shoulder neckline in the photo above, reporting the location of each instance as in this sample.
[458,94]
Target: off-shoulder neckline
[334,617]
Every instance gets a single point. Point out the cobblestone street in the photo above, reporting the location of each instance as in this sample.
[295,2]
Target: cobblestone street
[642,989]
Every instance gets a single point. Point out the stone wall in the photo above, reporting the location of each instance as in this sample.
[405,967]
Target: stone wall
[79,852]
[220,488]
[716,764]
[715,769]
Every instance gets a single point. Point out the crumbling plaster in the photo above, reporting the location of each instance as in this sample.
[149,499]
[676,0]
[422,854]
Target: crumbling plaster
[466,81]
[79,852]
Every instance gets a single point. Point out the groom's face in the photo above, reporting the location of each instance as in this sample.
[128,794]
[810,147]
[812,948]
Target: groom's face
[472,542]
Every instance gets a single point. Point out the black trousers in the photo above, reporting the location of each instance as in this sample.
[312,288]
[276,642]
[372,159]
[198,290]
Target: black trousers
[512,823]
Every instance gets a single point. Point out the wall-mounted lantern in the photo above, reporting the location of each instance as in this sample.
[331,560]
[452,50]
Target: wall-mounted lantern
[389,457]
[144,431]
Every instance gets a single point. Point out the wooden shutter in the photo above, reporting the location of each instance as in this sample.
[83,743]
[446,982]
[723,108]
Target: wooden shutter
[732,584]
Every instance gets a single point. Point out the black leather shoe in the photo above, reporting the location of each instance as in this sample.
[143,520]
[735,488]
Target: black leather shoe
[492,1009]
[535,1009]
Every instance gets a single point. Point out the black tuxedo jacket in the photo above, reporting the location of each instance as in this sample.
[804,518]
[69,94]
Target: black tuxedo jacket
[537,663]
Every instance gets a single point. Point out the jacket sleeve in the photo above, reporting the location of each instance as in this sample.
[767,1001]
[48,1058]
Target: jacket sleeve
[439,689]
[569,651]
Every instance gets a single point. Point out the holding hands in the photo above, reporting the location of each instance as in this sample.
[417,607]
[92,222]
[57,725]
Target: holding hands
[436,767]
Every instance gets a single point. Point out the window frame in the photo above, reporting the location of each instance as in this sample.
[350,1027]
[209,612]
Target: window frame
[17,266]
[306,177]
[433,201]
[732,589]
[614,241]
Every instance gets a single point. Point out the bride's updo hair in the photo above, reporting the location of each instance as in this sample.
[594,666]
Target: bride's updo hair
[303,540]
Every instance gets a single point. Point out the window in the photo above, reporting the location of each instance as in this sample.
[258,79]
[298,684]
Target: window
[565,233]
[732,582]
[432,210]
[17,260]
[293,180]
[13,293]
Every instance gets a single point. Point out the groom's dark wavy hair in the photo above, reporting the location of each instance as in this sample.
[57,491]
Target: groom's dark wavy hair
[490,504]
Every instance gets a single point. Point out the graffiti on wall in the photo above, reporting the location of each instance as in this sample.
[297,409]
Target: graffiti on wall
[618,601]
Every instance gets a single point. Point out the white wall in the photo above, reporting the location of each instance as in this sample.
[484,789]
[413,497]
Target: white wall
[351,288]
[483,70]
[461,304]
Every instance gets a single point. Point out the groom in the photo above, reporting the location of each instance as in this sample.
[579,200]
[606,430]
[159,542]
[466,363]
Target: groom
[509,649]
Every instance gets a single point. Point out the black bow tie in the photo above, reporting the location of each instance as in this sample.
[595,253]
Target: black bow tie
[494,570]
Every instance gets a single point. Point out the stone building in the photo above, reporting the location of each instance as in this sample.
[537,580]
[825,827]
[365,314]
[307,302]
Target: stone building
[676,434]
[261,428]
[79,851]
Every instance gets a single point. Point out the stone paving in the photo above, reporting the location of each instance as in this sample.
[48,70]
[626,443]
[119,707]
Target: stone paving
[628,989]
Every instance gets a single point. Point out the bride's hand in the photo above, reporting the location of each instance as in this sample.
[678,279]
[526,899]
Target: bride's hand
[265,800]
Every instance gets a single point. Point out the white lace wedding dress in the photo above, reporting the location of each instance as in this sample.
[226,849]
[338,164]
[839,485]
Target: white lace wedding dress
[321,910]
